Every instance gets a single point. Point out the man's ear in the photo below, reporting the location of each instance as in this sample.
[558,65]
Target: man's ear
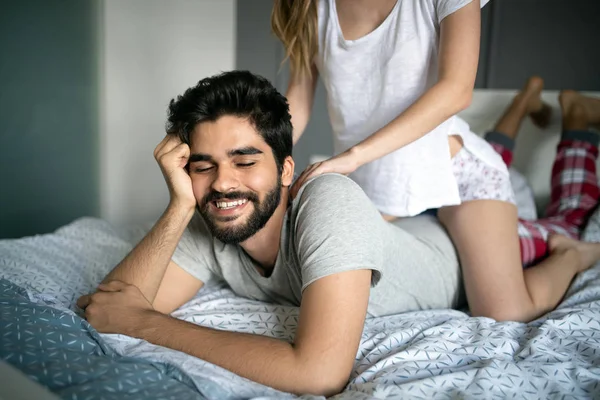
[287,171]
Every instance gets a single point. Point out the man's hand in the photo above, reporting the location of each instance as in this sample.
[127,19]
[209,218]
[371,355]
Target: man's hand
[172,156]
[116,308]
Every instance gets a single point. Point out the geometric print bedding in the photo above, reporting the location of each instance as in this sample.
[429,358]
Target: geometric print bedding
[427,354]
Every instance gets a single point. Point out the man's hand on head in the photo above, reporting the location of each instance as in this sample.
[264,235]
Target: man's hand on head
[116,307]
[172,156]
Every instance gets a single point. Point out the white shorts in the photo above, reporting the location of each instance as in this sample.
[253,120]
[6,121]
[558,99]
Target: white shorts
[478,180]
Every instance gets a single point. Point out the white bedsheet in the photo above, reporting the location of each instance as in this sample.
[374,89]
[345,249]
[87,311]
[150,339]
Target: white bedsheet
[427,354]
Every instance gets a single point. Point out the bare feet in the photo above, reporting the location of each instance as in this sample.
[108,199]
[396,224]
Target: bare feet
[530,98]
[527,102]
[584,254]
[539,112]
[579,110]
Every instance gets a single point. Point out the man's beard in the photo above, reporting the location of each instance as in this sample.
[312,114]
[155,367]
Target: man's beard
[263,210]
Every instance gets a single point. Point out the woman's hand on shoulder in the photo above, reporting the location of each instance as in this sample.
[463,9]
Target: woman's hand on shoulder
[344,163]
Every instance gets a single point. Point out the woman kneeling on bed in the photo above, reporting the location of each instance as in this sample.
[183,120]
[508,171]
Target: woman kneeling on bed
[574,196]
[549,248]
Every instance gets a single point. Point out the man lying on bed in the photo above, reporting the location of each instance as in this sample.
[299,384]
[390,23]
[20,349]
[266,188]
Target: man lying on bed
[227,163]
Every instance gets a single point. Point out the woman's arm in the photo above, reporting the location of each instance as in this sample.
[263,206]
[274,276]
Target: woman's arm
[458,58]
[300,95]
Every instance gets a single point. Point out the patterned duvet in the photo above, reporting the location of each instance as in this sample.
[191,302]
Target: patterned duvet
[427,354]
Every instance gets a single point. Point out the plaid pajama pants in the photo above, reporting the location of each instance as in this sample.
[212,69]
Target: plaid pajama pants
[574,191]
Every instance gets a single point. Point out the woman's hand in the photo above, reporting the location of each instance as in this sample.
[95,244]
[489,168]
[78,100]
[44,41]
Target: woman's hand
[344,163]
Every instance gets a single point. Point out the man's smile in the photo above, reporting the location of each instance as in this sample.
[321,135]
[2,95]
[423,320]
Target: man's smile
[228,208]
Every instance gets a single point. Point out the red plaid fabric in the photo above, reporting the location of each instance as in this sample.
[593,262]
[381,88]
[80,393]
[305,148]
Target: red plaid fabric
[506,154]
[574,195]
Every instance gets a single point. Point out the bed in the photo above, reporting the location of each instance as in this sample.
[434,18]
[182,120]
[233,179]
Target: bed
[429,354]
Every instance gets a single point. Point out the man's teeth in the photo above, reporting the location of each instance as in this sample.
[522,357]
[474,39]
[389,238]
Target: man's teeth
[224,205]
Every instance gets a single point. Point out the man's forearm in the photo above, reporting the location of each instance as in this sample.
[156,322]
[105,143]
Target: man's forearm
[146,264]
[262,359]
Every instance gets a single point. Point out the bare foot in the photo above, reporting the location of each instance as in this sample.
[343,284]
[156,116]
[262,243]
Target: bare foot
[530,98]
[576,105]
[585,254]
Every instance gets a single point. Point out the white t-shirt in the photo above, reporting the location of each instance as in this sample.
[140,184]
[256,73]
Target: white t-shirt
[372,80]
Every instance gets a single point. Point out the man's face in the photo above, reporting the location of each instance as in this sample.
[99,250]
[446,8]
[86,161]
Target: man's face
[234,178]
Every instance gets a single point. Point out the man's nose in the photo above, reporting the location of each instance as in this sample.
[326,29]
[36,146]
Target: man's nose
[226,180]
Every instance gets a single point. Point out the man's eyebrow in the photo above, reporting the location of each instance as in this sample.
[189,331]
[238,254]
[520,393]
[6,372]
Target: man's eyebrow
[197,157]
[244,151]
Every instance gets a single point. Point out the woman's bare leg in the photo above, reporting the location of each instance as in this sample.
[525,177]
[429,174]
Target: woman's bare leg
[485,235]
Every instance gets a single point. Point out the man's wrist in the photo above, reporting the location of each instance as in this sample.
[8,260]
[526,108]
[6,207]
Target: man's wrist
[148,322]
[181,209]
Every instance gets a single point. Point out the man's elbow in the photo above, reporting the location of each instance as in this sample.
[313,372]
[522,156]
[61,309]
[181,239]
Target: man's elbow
[326,381]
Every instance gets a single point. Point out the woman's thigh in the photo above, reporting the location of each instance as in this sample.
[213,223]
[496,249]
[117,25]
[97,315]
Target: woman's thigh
[485,235]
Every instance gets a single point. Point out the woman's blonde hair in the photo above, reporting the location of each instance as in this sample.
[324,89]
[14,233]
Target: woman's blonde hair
[294,22]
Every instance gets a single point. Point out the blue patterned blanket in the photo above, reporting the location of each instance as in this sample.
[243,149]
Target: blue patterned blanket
[429,354]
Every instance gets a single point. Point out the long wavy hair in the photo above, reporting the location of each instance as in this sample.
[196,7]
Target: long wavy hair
[294,22]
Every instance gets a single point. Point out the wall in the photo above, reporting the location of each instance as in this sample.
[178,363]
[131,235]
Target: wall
[557,39]
[48,114]
[152,51]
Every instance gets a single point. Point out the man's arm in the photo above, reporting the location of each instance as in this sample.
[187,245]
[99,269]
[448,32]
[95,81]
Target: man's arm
[148,266]
[319,361]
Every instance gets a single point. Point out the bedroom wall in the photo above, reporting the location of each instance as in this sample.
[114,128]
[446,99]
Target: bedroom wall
[84,91]
[48,114]
[152,51]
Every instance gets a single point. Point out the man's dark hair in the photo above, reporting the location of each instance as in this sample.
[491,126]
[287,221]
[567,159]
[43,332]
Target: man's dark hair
[238,93]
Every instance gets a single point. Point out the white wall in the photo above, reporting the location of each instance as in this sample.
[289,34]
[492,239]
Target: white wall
[152,50]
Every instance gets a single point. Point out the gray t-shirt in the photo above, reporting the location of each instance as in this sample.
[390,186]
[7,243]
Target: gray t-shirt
[332,227]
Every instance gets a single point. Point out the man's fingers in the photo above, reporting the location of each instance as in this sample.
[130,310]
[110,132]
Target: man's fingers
[182,151]
[178,156]
[171,142]
[159,147]
[83,301]
[112,286]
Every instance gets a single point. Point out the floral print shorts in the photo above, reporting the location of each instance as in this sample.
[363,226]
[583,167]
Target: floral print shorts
[478,180]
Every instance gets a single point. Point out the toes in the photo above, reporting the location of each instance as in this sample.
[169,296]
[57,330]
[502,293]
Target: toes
[535,84]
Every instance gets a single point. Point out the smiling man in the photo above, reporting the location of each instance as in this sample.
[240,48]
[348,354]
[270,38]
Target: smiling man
[227,162]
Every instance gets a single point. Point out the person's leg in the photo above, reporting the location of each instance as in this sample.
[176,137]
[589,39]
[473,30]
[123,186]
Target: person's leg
[484,233]
[484,230]
[575,191]
[527,102]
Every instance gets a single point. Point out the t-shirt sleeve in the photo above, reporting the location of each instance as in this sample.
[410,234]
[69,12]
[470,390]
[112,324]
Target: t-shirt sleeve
[338,229]
[447,7]
[194,250]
